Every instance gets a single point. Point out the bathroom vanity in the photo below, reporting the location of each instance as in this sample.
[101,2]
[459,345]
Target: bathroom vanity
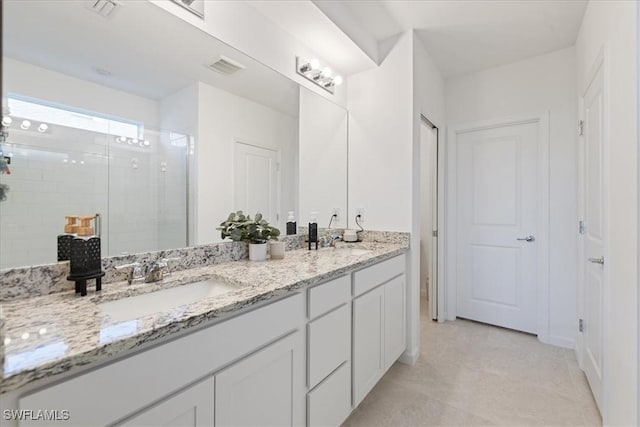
[299,341]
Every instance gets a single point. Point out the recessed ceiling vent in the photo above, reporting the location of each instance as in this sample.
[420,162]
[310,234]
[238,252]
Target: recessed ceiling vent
[226,65]
[103,8]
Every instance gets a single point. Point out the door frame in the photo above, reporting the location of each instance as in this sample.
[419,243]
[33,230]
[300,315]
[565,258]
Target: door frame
[440,314]
[542,237]
[601,61]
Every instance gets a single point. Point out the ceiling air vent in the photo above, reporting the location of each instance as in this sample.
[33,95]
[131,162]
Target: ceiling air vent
[103,8]
[226,65]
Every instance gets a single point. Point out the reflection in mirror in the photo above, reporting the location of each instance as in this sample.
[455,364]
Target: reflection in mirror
[323,160]
[162,132]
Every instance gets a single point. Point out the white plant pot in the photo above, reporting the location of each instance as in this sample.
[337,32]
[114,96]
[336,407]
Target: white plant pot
[257,251]
[277,250]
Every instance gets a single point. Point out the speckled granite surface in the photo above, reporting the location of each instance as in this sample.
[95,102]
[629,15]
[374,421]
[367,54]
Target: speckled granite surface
[38,280]
[51,334]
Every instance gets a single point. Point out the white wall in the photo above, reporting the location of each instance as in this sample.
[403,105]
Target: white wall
[613,26]
[384,151]
[322,160]
[243,27]
[428,101]
[535,85]
[223,120]
[380,141]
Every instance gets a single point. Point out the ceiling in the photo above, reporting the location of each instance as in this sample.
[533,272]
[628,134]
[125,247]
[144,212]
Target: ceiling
[465,36]
[132,45]
[308,24]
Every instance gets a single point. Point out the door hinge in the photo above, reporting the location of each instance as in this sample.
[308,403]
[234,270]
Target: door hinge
[581,227]
[580,325]
[434,233]
[278,166]
[580,127]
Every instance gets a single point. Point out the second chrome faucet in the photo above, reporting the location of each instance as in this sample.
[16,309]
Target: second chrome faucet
[156,273]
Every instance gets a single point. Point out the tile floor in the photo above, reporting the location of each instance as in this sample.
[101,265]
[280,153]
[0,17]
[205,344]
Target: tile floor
[470,374]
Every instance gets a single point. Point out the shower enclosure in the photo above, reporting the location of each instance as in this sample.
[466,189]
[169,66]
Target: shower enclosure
[66,161]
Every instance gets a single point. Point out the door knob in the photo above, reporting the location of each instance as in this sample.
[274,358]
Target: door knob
[597,260]
[529,238]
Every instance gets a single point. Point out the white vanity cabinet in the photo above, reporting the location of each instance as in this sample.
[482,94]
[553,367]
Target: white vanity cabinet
[378,322]
[305,359]
[192,407]
[264,389]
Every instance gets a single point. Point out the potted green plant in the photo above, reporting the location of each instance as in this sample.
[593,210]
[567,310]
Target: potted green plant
[257,232]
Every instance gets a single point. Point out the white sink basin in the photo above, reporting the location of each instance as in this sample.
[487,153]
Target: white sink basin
[347,251]
[164,300]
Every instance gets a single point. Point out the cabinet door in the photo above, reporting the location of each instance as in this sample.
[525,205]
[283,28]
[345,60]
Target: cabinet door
[192,407]
[394,320]
[368,341]
[264,389]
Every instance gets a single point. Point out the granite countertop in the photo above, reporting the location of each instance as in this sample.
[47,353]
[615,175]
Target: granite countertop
[52,334]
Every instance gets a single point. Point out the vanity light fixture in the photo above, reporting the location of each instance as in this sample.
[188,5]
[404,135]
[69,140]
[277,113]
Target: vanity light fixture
[26,124]
[312,71]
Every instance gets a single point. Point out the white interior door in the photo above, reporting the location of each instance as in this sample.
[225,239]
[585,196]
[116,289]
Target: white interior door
[497,221]
[256,181]
[593,234]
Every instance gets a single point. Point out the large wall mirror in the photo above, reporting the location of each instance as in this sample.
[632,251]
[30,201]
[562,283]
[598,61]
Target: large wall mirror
[154,124]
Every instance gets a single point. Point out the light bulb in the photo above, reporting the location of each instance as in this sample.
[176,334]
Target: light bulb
[122,139]
[314,63]
[26,124]
[326,73]
[6,121]
[146,143]
[337,80]
[43,127]
[25,336]
[42,331]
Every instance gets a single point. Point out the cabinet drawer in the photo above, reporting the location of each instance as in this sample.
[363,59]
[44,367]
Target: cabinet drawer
[330,295]
[329,343]
[370,277]
[329,404]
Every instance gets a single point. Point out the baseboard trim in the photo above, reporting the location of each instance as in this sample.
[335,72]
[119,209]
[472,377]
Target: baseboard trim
[409,357]
[558,341]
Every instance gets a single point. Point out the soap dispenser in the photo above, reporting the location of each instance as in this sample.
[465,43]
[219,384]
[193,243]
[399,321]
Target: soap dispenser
[64,240]
[85,259]
[291,224]
[313,229]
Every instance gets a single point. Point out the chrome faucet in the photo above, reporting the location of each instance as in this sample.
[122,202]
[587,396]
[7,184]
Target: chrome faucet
[155,274]
[159,269]
[134,275]
[329,241]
